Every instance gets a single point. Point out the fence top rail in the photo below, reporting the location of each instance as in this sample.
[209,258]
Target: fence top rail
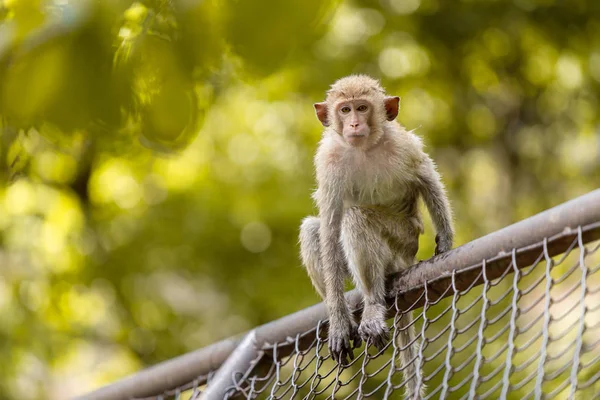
[559,224]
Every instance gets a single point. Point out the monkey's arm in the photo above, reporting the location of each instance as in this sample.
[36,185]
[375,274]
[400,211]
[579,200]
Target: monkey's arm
[434,196]
[341,325]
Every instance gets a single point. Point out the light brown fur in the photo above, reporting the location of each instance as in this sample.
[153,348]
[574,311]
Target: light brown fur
[369,223]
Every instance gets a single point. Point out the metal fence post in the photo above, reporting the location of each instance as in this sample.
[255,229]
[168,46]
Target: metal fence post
[238,363]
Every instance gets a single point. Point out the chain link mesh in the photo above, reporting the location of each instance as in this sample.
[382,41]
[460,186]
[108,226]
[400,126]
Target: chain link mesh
[532,332]
[192,390]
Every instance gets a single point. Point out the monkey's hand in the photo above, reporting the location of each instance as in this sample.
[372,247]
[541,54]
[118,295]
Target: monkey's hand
[341,331]
[443,243]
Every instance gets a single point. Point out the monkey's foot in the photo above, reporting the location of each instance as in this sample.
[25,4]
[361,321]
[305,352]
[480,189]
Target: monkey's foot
[442,244]
[374,330]
[340,336]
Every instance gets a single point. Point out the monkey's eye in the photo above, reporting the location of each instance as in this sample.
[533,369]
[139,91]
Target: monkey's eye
[345,110]
[362,108]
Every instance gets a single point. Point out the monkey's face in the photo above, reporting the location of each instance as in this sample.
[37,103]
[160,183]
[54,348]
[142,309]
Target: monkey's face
[357,112]
[354,118]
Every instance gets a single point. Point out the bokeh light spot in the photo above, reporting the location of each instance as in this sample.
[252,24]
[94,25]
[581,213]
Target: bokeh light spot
[20,198]
[568,72]
[256,237]
[394,62]
[403,60]
[243,149]
[405,7]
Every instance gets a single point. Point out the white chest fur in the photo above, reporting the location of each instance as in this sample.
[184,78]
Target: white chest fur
[370,179]
[382,175]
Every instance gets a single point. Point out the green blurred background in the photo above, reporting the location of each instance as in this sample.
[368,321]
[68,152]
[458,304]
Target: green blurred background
[157,155]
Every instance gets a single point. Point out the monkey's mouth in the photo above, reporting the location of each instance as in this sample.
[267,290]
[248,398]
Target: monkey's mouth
[355,139]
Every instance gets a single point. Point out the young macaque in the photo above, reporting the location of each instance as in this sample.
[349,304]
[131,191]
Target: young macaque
[370,174]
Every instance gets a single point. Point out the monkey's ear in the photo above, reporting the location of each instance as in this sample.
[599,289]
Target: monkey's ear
[392,104]
[321,110]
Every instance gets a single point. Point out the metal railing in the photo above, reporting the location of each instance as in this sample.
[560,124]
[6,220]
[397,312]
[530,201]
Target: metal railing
[514,314]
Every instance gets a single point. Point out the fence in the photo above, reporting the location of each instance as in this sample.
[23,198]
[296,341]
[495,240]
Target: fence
[514,314]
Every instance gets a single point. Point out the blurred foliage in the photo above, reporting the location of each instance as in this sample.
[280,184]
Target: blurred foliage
[157,155]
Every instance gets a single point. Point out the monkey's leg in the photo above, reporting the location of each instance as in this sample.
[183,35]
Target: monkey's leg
[368,256]
[311,254]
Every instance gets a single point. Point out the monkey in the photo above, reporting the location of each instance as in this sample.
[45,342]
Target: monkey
[370,174]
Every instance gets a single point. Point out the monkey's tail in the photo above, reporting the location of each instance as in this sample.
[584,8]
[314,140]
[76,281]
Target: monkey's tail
[409,349]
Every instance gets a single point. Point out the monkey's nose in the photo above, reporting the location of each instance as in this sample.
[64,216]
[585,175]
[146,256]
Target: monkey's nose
[354,125]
